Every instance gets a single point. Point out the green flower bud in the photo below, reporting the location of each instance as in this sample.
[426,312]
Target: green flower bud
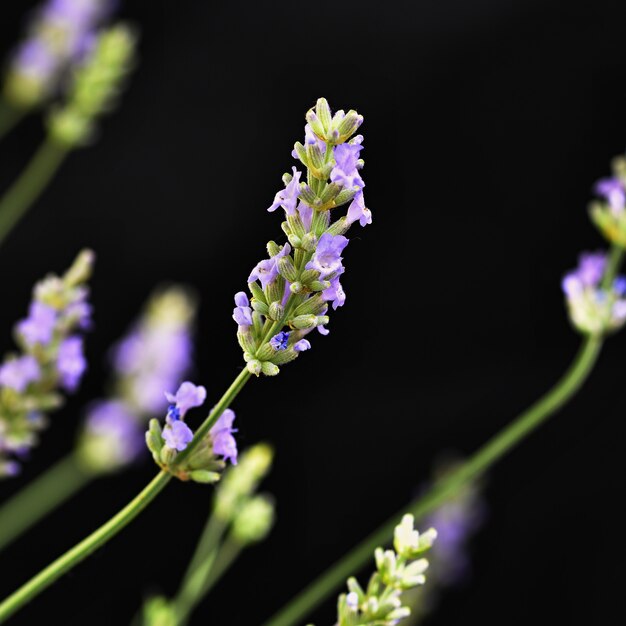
[269,369]
[303,322]
[254,521]
[287,269]
[254,367]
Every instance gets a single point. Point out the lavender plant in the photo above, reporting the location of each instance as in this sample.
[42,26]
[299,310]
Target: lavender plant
[92,91]
[155,354]
[50,360]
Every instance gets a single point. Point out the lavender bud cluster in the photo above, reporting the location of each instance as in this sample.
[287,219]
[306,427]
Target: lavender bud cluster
[60,34]
[400,569]
[291,291]
[95,86]
[50,360]
[154,355]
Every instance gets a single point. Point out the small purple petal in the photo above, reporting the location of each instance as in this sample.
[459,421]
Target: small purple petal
[177,435]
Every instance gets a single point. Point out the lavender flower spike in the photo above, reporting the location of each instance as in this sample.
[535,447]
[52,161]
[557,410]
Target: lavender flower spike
[609,213]
[50,359]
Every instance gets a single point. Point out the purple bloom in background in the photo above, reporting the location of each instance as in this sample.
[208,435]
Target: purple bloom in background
[302,345]
[589,273]
[327,257]
[71,362]
[266,271]
[288,197]
[335,293]
[187,397]
[345,172]
[280,341]
[177,435]
[358,211]
[113,422]
[38,327]
[612,190]
[35,60]
[19,373]
[619,286]
[224,443]
[242,313]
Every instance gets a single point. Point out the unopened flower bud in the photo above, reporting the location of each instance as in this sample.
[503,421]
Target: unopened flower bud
[269,369]
[302,322]
[254,521]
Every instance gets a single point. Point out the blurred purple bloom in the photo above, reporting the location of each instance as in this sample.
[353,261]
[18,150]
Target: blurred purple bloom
[280,341]
[327,257]
[242,313]
[111,419]
[224,443]
[612,190]
[358,211]
[187,397]
[71,362]
[177,435]
[288,197]
[266,271]
[345,172]
[38,327]
[589,273]
[34,60]
[19,373]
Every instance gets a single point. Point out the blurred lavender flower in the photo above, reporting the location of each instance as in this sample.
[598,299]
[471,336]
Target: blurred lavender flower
[51,358]
[59,35]
[592,308]
[224,443]
[609,213]
[154,356]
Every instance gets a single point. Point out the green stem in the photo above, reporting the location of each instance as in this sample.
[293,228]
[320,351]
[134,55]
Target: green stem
[226,556]
[83,549]
[38,498]
[9,117]
[484,458]
[30,184]
[198,569]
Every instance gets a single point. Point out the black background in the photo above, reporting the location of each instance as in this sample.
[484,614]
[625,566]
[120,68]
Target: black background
[486,124]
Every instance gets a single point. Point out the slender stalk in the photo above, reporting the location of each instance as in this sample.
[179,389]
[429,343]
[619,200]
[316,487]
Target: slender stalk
[83,549]
[198,569]
[227,555]
[38,498]
[302,604]
[107,531]
[30,184]
[9,117]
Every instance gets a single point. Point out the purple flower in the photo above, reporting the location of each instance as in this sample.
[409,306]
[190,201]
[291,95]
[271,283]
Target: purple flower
[280,341]
[306,215]
[619,286]
[38,327]
[302,345]
[113,422]
[222,431]
[71,362]
[34,60]
[327,257]
[18,373]
[345,172]
[612,190]
[177,435]
[242,313]
[187,397]
[335,293]
[266,271]
[358,211]
[288,197]
[589,273]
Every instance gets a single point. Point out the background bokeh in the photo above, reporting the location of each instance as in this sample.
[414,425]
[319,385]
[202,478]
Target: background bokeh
[485,126]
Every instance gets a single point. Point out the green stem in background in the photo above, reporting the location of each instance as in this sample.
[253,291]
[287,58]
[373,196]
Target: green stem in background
[9,118]
[302,604]
[82,550]
[190,591]
[30,184]
[226,556]
[39,497]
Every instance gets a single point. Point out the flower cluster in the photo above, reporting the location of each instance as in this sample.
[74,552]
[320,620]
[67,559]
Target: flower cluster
[94,88]
[60,35]
[202,465]
[50,358]
[609,213]
[153,356]
[398,570]
[293,289]
[594,308]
